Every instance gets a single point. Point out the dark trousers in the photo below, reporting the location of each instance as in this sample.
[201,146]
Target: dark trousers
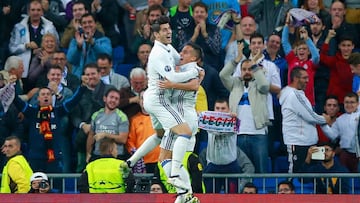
[232,167]
[296,157]
[349,160]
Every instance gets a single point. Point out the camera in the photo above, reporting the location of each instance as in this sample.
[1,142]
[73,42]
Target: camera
[142,186]
[43,184]
[81,32]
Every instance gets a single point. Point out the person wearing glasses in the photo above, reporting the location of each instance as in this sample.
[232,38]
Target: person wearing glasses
[299,119]
[346,129]
[333,185]
[286,187]
[108,76]
[68,79]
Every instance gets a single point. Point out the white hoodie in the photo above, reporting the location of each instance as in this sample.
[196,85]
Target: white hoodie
[299,119]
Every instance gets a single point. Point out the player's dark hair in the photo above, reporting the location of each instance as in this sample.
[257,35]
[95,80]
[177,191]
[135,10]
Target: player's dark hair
[155,27]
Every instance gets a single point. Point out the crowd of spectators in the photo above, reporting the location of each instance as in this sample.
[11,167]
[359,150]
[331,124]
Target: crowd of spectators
[50,45]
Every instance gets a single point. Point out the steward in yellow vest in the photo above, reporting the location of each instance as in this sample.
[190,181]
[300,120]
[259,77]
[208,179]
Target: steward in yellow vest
[105,174]
[193,166]
[17,172]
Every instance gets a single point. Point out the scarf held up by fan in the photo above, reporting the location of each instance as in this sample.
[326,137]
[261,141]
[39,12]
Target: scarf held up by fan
[44,116]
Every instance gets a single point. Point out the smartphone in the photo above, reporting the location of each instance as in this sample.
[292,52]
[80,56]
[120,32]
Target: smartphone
[319,154]
[81,30]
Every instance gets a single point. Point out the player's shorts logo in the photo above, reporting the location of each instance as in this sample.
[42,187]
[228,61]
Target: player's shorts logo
[167,68]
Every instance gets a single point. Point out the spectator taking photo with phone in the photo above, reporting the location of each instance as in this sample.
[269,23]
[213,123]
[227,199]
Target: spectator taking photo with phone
[331,185]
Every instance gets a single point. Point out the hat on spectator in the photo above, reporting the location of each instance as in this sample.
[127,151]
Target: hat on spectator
[38,176]
[354,59]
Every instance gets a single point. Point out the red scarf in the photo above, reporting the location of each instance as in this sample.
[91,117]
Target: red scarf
[45,129]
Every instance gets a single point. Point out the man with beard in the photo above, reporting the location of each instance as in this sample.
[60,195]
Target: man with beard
[248,99]
[109,122]
[259,155]
[299,119]
[328,165]
[317,33]
[90,102]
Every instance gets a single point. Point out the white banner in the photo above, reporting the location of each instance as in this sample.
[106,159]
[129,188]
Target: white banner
[217,121]
[7,95]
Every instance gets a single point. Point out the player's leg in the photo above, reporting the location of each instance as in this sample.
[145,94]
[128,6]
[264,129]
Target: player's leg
[153,108]
[182,183]
[149,144]
[180,147]
[182,195]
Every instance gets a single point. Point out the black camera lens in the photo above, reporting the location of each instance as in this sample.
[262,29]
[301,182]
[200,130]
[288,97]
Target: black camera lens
[43,184]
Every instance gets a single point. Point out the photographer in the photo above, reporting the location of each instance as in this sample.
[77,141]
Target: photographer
[39,183]
[87,43]
[327,164]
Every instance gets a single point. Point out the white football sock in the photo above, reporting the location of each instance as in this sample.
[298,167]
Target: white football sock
[180,145]
[149,144]
[184,176]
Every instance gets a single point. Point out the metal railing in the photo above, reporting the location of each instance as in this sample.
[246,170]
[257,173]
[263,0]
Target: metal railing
[266,183]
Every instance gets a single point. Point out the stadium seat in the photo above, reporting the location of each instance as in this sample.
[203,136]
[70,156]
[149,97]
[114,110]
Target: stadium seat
[267,185]
[281,164]
[269,167]
[70,185]
[356,185]
[305,188]
[123,69]
[118,55]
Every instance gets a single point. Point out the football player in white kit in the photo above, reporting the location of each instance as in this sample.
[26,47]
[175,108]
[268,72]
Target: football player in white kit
[161,65]
[183,99]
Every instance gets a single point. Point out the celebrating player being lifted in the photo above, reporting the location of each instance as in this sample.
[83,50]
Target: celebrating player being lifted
[164,114]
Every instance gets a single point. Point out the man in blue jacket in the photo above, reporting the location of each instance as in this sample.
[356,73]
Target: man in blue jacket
[87,44]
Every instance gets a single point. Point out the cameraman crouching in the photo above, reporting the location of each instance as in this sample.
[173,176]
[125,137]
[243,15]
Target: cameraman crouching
[39,183]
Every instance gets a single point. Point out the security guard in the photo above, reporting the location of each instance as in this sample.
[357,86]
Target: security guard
[104,175]
[17,172]
[193,166]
